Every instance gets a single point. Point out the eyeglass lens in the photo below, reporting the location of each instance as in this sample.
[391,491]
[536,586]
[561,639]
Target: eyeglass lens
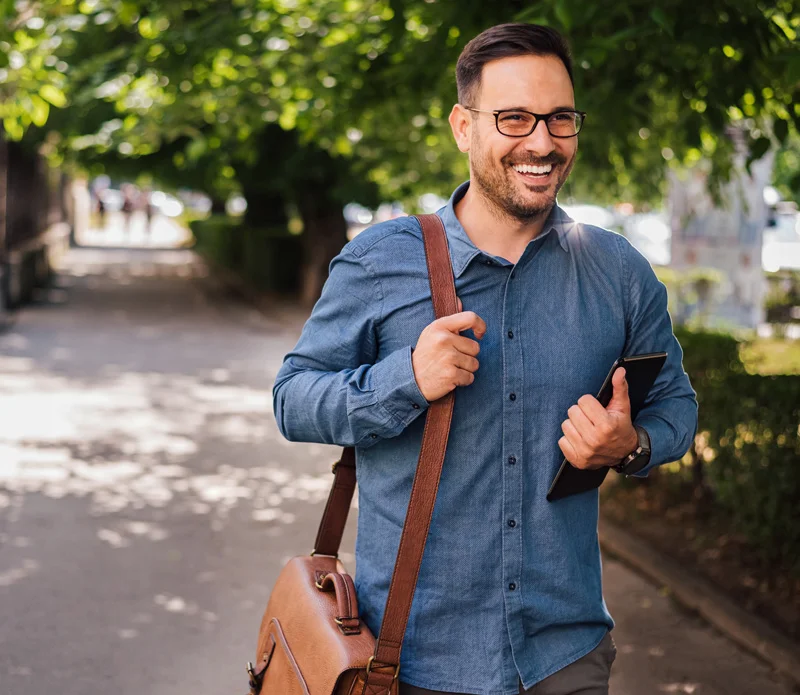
[521,123]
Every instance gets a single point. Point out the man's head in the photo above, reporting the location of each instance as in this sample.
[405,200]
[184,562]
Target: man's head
[525,67]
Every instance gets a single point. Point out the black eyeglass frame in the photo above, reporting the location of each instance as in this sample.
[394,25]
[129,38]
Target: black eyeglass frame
[537,117]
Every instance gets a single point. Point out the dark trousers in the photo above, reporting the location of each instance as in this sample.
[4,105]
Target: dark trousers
[587,676]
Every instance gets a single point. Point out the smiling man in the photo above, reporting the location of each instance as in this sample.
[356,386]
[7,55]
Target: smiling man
[509,597]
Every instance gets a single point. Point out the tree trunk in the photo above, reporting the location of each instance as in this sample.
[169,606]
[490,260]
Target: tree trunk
[325,232]
[265,210]
[3,194]
[217,206]
[3,209]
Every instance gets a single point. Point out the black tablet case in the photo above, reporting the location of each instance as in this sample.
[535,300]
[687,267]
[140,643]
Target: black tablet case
[641,372]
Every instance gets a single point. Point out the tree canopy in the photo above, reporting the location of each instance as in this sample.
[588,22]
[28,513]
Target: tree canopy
[353,95]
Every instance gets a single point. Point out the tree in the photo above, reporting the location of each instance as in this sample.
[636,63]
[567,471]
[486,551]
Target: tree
[351,96]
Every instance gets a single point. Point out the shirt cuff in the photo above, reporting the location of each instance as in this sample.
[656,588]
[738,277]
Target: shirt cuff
[397,389]
[660,435]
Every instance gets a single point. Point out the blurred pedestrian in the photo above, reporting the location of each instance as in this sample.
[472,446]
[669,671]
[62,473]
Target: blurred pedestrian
[101,210]
[509,593]
[146,203]
[128,206]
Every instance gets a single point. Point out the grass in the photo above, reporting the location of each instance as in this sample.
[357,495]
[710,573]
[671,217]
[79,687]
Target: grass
[771,356]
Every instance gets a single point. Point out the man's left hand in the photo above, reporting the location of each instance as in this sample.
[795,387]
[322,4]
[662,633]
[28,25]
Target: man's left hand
[595,436]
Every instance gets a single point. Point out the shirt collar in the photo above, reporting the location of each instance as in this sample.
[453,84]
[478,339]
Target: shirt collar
[463,250]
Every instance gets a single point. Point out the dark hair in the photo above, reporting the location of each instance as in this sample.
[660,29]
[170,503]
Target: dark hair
[506,41]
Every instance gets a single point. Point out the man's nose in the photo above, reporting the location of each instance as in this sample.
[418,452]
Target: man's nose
[540,142]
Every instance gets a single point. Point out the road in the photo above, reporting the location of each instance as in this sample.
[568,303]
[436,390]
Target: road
[147,500]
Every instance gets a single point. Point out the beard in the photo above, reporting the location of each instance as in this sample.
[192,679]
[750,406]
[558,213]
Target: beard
[502,192]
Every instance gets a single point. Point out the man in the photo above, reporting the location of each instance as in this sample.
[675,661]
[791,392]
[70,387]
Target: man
[509,597]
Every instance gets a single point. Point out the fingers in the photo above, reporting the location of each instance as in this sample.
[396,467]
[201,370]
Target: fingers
[574,438]
[568,450]
[592,410]
[466,362]
[466,345]
[582,424]
[464,377]
[464,321]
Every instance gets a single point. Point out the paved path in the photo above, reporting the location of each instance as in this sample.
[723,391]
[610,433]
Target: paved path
[147,500]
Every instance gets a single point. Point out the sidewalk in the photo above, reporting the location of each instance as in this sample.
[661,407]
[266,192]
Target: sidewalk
[693,592]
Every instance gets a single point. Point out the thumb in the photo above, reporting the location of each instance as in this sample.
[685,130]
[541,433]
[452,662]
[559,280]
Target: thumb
[460,305]
[620,401]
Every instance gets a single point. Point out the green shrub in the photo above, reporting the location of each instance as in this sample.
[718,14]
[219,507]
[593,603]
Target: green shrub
[748,443]
[269,259]
[753,459]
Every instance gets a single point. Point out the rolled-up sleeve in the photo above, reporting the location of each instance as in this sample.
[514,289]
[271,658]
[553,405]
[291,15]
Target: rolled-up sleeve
[330,388]
[670,412]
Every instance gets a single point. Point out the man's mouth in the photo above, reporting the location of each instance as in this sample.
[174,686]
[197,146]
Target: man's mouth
[533,173]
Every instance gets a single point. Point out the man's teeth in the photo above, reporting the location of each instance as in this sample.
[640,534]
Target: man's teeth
[529,169]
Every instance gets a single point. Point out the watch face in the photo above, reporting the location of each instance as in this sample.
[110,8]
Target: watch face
[637,464]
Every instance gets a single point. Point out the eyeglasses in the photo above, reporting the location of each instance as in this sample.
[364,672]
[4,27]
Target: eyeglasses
[516,123]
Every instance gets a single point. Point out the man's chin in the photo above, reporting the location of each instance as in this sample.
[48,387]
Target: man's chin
[537,195]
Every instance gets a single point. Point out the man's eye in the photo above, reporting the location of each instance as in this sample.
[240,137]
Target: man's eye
[562,117]
[514,117]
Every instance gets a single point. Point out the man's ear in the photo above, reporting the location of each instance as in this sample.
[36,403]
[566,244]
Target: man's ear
[461,125]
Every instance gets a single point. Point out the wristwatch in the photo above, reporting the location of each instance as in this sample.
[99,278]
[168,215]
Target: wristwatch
[639,457]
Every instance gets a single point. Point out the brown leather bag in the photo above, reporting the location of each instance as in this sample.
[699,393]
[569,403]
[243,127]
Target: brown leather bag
[312,641]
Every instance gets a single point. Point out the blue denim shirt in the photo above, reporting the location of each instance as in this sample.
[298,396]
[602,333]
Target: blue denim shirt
[496,600]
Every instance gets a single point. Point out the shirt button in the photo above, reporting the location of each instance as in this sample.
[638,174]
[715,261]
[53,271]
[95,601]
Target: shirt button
[512,396]
[415,406]
[374,436]
[511,334]
[512,586]
[512,523]
[512,460]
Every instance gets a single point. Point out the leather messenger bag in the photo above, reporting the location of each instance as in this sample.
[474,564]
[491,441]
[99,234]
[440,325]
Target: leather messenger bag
[312,640]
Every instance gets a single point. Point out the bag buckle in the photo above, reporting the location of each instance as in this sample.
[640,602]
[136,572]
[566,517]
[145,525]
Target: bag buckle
[369,667]
[255,681]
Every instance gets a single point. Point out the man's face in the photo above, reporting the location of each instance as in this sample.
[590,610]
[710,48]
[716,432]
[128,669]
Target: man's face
[539,84]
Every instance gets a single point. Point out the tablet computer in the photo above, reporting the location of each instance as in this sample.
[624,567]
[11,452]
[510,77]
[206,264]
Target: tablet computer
[641,372]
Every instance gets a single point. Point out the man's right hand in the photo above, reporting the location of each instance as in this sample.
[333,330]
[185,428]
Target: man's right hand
[443,359]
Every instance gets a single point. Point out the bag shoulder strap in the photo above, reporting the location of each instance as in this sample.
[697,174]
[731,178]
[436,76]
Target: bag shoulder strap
[384,666]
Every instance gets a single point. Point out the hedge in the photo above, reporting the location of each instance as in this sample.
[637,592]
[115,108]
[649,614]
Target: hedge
[269,259]
[749,443]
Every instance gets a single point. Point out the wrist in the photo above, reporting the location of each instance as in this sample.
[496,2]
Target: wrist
[639,456]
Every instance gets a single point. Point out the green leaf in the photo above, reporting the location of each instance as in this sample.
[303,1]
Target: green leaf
[660,18]
[13,128]
[196,149]
[40,110]
[54,95]
[563,14]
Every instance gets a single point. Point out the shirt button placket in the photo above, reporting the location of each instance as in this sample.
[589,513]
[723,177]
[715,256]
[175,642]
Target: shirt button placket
[513,431]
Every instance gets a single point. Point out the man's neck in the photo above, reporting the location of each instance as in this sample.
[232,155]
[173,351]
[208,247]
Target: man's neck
[491,230]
